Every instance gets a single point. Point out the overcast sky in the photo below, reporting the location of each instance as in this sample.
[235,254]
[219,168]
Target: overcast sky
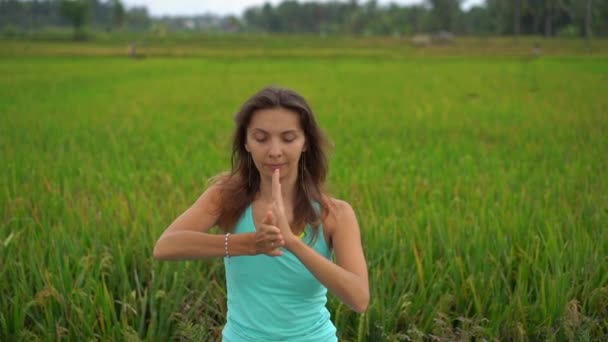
[224,7]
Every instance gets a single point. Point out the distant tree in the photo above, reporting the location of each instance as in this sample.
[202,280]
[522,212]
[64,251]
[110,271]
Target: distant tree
[75,11]
[272,22]
[291,16]
[582,18]
[601,8]
[416,17]
[535,10]
[516,17]
[477,20]
[549,10]
[588,12]
[118,14]
[138,18]
[355,24]
[445,13]
[498,15]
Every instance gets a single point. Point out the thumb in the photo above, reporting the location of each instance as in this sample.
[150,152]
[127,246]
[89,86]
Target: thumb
[269,218]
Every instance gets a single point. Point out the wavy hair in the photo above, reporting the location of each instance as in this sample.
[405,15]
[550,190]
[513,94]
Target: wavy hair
[240,185]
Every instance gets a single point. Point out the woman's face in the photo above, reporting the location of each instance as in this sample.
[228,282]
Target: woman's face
[276,140]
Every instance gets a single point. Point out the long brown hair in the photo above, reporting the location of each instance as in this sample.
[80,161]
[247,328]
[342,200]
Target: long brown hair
[240,185]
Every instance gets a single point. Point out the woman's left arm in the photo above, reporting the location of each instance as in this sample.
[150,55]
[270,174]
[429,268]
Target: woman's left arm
[347,278]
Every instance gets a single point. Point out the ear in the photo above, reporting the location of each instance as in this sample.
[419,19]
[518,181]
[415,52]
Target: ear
[247,147]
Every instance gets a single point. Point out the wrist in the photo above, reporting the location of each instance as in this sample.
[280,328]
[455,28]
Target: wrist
[250,243]
[291,241]
[241,244]
[247,243]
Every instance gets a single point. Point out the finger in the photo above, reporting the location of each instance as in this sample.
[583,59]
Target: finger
[270,243]
[276,187]
[271,218]
[281,219]
[275,246]
[272,239]
[275,252]
[276,241]
[266,231]
[268,219]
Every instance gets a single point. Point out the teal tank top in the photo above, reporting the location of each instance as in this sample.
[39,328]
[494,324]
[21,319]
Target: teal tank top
[276,298]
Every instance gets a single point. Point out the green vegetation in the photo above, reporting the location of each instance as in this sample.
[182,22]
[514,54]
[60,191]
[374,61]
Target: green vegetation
[479,184]
[188,44]
[551,18]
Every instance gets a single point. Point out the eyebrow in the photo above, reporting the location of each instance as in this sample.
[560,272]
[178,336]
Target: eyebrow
[284,132]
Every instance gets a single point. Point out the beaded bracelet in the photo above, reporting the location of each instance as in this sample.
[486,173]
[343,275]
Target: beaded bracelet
[226,244]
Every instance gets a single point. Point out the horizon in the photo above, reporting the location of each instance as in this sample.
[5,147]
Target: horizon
[160,8]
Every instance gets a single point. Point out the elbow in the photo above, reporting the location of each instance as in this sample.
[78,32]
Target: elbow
[362,305]
[360,309]
[159,252]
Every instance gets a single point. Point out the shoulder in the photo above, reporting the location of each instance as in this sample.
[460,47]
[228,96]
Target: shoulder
[213,196]
[219,184]
[339,213]
[337,206]
[203,213]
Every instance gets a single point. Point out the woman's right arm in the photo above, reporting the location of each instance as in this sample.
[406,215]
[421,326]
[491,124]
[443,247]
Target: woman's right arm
[187,237]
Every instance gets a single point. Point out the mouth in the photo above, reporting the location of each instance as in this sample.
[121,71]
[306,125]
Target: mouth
[275,166]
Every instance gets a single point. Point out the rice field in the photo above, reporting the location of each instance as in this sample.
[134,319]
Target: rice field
[479,182]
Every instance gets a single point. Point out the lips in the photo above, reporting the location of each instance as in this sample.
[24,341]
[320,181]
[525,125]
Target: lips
[275,166]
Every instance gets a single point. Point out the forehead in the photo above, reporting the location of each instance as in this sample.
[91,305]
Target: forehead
[275,120]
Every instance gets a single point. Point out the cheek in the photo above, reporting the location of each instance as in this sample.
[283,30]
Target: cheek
[256,156]
[296,155]
[302,147]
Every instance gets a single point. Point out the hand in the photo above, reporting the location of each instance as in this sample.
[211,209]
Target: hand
[268,238]
[279,209]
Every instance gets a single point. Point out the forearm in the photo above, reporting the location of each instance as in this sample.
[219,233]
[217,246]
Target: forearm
[349,287]
[190,245]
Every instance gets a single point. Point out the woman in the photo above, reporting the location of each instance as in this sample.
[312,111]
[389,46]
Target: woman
[280,228]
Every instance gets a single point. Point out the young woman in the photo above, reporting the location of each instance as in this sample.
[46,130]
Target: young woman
[280,227]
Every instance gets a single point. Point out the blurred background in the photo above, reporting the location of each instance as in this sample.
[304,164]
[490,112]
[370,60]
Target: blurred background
[548,18]
[469,137]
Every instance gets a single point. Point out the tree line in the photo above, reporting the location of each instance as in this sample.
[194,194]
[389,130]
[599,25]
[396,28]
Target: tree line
[493,17]
[32,15]
[550,18]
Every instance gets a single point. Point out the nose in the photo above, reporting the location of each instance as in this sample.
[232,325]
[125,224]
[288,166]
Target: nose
[275,149]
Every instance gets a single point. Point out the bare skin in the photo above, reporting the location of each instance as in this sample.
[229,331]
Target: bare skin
[347,278]
[276,141]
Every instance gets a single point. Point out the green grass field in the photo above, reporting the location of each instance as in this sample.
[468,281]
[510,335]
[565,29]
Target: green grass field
[479,183]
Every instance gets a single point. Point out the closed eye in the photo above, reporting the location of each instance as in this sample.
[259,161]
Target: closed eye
[289,137]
